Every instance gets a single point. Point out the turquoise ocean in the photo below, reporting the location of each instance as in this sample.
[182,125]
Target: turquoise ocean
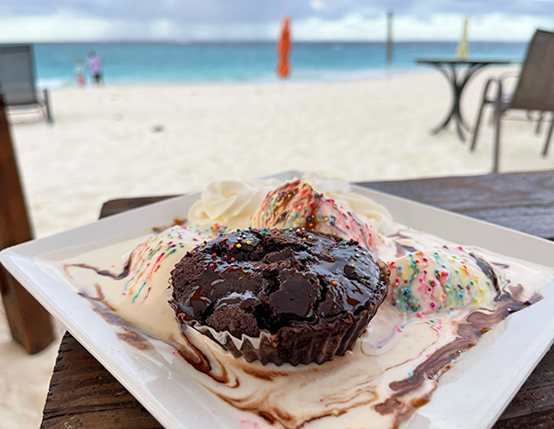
[245,62]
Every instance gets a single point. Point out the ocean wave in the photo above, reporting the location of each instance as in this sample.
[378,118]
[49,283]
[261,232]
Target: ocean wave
[53,83]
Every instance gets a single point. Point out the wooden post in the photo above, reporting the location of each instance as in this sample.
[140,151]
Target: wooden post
[388,58]
[29,322]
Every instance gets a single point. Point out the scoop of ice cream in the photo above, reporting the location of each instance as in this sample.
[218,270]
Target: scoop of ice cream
[441,279]
[139,292]
[367,210]
[230,203]
[297,205]
[144,299]
[150,263]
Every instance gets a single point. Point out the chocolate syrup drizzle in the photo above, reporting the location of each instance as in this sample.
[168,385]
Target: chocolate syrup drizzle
[100,272]
[487,269]
[469,331]
[409,393]
[401,405]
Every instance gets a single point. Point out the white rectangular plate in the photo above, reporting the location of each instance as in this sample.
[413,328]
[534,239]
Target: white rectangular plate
[472,395]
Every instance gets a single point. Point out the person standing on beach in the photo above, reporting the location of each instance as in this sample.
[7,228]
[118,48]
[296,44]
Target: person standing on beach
[95,66]
[80,73]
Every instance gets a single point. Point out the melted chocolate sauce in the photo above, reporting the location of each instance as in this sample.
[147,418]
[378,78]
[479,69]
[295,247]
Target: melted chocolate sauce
[100,297]
[399,404]
[279,278]
[469,331]
[401,249]
[105,273]
[200,362]
[135,339]
[487,269]
[176,221]
[131,335]
[140,340]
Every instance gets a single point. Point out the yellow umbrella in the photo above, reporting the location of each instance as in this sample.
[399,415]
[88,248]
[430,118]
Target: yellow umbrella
[462,50]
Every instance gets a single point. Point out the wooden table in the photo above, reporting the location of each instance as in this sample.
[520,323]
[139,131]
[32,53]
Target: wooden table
[84,395]
[458,72]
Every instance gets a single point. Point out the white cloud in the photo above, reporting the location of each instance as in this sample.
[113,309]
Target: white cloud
[53,28]
[67,26]
[316,4]
[162,29]
[351,27]
[492,27]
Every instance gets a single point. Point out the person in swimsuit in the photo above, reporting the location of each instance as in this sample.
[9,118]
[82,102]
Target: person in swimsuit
[95,66]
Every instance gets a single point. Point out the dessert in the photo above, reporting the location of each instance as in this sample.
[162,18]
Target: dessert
[229,203]
[279,296]
[441,279]
[442,298]
[297,205]
[135,289]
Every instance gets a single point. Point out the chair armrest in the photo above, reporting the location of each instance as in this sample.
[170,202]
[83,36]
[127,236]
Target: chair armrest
[510,80]
[509,75]
[490,81]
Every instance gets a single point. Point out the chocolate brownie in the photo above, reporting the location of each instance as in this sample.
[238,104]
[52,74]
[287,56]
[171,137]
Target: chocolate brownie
[309,296]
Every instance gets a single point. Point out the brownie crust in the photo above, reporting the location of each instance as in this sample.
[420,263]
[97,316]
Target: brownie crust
[306,296]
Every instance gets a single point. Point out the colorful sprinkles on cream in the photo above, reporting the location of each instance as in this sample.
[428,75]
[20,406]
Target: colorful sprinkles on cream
[441,279]
[297,205]
[147,259]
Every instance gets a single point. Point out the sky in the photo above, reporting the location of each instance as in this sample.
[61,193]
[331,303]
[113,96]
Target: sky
[313,20]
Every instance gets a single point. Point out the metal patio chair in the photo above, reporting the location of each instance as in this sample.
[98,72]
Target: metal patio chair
[17,80]
[534,91]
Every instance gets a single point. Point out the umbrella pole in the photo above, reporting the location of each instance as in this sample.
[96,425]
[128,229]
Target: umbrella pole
[388,57]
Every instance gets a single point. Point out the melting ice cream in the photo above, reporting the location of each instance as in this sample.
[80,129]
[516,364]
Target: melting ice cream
[442,298]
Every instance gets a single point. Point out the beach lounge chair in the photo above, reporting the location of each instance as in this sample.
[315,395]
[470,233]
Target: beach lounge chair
[17,80]
[534,91]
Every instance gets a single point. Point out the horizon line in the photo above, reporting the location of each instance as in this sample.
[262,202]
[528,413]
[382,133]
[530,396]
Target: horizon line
[185,42]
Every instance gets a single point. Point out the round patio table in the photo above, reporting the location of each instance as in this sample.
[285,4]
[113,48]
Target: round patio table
[458,72]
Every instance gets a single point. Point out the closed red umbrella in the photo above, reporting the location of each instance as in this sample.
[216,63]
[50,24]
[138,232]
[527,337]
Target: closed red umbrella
[284,45]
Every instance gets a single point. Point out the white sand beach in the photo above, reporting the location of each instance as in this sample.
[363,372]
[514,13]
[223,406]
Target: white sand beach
[114,142]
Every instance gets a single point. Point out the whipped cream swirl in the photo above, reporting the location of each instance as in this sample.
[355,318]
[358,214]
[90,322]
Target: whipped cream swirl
[230,202]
